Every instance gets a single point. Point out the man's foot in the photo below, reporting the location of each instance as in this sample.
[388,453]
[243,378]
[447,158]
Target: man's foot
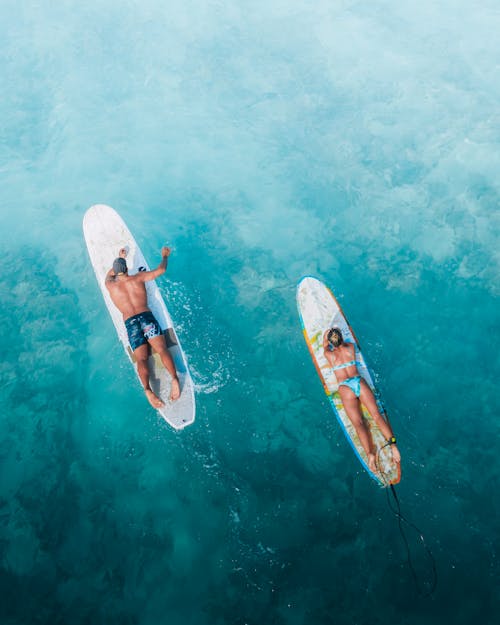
[396,456]
[371,462]
[155,401]
[123,252]
[175,390]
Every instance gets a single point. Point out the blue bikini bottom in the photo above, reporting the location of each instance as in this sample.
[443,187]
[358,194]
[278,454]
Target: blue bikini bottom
[353,383]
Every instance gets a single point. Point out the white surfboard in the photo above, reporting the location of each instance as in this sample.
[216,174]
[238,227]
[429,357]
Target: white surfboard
[105,234]
[319,310]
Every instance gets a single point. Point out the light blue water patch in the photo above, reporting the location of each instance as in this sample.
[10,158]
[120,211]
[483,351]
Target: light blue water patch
[355,141]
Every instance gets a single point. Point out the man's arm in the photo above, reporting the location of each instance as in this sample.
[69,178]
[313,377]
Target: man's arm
[110,277]
[145,276]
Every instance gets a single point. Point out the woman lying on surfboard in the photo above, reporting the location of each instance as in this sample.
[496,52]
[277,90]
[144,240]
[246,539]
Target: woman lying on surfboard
[354,391]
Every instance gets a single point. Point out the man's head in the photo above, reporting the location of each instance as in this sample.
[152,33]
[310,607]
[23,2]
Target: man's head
[119,266]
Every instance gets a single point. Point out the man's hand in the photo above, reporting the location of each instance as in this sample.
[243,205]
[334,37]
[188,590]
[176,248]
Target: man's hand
[165,252]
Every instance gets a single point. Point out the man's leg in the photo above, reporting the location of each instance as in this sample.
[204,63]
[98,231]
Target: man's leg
[141,356]
[159,345]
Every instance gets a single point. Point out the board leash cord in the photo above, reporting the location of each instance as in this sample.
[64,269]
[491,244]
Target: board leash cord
[402,519]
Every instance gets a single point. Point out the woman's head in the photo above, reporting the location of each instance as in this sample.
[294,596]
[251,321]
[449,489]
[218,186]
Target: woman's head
[334,337]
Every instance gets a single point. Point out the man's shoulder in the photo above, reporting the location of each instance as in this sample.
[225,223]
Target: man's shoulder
[137,278]
[113,284]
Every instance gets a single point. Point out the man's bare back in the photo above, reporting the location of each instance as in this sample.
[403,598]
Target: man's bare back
[129,295]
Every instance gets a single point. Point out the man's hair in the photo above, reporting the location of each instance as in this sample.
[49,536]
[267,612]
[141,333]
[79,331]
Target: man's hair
[120,266]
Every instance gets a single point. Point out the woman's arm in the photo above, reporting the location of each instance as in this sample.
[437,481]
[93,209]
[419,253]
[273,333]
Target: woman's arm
[325,340]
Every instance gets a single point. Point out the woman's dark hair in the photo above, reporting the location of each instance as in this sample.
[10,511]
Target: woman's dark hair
[334,337]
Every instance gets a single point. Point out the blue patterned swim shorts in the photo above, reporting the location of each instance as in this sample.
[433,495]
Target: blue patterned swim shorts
[141,328]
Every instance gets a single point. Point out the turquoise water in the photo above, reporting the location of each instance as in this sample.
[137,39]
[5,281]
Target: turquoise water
[355,141]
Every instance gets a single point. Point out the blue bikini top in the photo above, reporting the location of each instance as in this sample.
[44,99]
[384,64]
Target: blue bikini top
[351,362]
[346,364]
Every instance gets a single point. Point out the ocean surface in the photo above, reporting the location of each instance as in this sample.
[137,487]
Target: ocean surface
[356,141]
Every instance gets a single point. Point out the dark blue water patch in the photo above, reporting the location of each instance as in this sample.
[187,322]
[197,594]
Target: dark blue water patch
[43,374]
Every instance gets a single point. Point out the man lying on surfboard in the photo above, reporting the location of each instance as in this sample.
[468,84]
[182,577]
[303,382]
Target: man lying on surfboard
[354,391]
[128,294]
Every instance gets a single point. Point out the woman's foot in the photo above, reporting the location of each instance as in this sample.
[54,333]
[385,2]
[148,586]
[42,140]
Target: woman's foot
[155,401]
[396,456]
[371,462]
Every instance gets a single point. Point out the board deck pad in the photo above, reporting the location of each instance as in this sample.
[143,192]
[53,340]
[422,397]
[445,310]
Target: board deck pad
[105,234]
[319,310]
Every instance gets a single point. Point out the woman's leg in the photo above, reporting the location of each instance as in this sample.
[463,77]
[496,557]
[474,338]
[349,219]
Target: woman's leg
[367,398]
[353,410]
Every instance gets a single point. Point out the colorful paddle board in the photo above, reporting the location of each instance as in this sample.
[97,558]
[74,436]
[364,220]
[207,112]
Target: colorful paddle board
[318,311]
[105,234]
